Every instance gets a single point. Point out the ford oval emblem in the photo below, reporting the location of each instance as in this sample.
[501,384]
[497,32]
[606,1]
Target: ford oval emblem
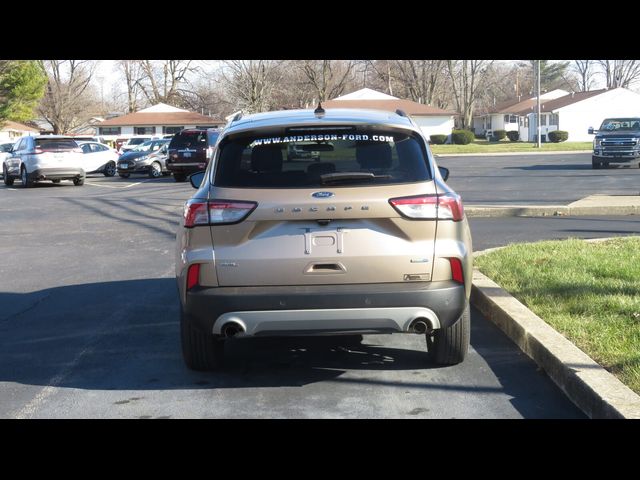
[322,194]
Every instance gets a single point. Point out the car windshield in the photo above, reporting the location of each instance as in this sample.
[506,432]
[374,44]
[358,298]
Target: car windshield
[137,141]
[308,159]
[5,147]
[143,148]
[620,124]
[190,139]
[52,144]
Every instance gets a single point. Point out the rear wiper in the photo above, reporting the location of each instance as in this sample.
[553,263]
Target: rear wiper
[341,176]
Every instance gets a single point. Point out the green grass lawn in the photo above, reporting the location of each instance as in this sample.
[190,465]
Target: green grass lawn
[589,292]
[482,146]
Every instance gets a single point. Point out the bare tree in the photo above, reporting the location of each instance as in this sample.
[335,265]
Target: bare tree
[584,70]
[69,101]
[468,79]
[328,78]
[131,72]
[251,83]
[620,73]
[422,80]
[164,81]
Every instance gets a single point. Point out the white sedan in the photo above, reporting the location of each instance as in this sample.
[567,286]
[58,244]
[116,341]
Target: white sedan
[99,158]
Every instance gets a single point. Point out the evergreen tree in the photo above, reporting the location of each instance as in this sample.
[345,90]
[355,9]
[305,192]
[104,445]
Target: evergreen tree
[22,85]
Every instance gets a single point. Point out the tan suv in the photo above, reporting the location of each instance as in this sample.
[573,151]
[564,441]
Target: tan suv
[361,236]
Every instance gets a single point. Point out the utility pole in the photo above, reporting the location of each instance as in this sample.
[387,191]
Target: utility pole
[538,102]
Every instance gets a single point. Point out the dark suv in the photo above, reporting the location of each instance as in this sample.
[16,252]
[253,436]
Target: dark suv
[190,151]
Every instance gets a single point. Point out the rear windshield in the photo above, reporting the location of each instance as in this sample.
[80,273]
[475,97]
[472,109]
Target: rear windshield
[313,158]
[189,140]
[56,144]
[137,141]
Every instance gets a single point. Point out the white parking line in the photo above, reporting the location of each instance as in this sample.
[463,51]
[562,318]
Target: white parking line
[112,186]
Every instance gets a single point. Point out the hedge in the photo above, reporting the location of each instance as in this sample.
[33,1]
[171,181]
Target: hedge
[499,134]
[462,137]
[438,139]
[558,136]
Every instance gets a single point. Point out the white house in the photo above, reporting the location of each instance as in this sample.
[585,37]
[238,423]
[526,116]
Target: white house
[160,119]
[576,112]
[431,120]
[11,131]
[511,114]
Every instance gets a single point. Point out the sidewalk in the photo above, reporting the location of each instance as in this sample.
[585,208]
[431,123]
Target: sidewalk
[591,205]
[503,154]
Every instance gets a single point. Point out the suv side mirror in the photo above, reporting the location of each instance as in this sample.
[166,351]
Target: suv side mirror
[591,131]
[444,173]
[196,179]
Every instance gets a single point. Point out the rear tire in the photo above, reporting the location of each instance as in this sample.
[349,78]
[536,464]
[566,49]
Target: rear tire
[449,346]
[8,181]
[57,180]
[24,177]
[201,351]
[78,181]
[179,177]
[595,163]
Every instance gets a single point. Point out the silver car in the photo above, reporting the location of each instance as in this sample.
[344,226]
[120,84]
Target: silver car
[44,157]
[363,237]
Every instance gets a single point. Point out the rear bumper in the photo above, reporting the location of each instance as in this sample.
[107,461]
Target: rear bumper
[56,174]
[325,309]
[186,168]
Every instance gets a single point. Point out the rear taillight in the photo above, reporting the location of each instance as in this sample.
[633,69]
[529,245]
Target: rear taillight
[216,212]
[430,207]
[456,270]
[193,276]
[38,151]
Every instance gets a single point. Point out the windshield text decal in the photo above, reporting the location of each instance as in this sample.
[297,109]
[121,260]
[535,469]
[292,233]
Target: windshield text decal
[321,137]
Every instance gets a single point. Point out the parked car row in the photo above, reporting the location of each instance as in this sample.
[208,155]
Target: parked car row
[56,157]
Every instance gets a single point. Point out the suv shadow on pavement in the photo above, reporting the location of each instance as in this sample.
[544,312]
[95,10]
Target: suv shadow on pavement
[123,335]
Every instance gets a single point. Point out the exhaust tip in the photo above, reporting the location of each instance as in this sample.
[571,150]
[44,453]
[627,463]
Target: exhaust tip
[231,329]
[420,326]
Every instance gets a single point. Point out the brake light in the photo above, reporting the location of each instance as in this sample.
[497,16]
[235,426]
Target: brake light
[195,213]
[38,151]
[430,207]
[456,270]
[216,212]
[193,276]
[229,212]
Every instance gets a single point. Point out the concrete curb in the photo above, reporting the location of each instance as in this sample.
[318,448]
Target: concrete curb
[589,386]
[486,211]
[506,154]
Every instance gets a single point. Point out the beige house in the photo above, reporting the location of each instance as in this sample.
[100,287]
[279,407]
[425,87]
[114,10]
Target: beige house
[159,120]
[11,131]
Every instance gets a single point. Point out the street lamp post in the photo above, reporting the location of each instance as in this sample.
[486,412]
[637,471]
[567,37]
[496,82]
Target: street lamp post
[538,102]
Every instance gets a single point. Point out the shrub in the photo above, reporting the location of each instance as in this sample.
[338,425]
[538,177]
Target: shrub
[513,135]
[438,139]
[499,134]
[558,136]
[462,137]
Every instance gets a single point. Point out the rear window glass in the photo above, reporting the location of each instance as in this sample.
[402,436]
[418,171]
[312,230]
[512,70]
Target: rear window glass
[189,140]
[137,141]
[312,159]
[56,144]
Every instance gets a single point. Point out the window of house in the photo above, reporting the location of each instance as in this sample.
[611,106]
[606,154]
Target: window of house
[543,120]
[553,120]
[489,123]
[144,130]
[506,119]
[172,130]
[110,131]
[526,122]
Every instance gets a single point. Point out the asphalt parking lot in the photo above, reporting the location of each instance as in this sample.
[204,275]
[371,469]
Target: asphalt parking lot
[89,329]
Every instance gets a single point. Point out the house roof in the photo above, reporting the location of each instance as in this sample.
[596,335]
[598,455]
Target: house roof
[390,105]
[522,105]
[366,94]
[551,105]
[20,127]
[161,118]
